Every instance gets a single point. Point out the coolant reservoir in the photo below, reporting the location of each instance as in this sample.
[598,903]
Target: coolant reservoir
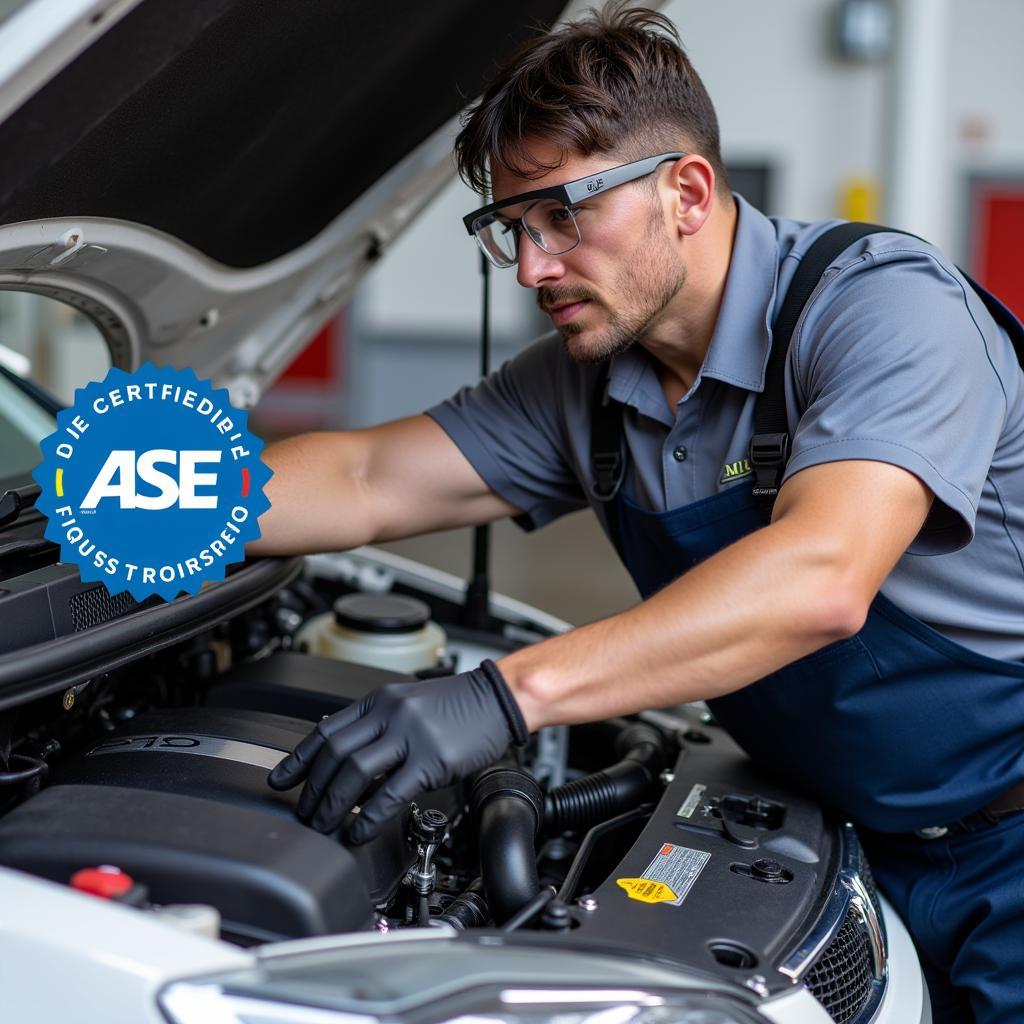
[388,631]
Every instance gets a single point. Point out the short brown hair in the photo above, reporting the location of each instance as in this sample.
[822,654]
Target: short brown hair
[618,81]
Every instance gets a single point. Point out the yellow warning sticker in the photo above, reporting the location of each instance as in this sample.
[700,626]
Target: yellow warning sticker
[669,876]
[646,891]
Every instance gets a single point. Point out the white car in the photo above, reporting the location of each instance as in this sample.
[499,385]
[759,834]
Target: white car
[207,181]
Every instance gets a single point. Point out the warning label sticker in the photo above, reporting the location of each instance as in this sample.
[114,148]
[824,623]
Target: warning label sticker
[689,805]
[669,877]
[646,891]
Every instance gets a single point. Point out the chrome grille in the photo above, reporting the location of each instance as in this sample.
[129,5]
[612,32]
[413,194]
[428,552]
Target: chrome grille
[869,884]
[843,960]
[842,978]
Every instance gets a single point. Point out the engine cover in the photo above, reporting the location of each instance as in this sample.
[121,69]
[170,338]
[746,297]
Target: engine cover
[737,874]
[727,870]
[179,799]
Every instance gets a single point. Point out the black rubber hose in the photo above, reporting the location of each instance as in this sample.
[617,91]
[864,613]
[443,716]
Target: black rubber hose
[34,768]
[614,790]
[509,808]
[468,909]
[423,910]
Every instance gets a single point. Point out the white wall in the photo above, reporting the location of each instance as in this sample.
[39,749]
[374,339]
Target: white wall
[781,91]
[782,95]
[986,83]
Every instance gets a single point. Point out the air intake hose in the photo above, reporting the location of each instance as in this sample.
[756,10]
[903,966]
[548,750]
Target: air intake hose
[613,790]
[469,909]
[509,807]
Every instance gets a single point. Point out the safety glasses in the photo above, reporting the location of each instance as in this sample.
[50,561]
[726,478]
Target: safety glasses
[549,217]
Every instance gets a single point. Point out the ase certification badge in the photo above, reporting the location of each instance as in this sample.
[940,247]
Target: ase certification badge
[152,482]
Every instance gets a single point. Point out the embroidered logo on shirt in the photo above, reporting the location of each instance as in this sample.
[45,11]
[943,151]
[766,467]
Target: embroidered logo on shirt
[735,471]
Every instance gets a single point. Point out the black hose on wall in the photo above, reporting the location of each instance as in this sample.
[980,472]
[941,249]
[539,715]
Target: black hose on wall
[509,806]
[613,790]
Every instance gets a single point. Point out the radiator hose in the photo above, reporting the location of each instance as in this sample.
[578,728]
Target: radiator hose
[509,807]
[613,790]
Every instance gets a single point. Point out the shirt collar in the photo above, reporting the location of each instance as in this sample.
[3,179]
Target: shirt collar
[738,353]
[742,339]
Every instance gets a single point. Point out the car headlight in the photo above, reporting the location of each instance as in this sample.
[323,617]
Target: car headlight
[187,1003]
[457,980]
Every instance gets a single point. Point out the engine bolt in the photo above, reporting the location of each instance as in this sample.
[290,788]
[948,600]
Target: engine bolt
[588,903]
[556,917]
[759,984]
[69,699]
[766,868]
[382,925]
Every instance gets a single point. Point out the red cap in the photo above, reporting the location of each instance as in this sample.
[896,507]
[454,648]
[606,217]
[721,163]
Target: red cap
[106,881]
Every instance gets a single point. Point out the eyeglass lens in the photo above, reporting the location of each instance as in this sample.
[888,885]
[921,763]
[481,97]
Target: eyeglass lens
[549,223]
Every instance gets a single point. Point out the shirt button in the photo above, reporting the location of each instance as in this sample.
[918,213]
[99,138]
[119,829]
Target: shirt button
[679,454]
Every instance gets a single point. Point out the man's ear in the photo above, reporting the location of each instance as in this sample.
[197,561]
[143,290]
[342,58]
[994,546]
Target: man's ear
[692,182]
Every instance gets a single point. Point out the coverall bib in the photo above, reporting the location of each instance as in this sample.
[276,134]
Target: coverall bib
[898,728]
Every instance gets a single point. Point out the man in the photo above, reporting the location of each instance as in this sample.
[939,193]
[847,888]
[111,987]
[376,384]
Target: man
[867,641]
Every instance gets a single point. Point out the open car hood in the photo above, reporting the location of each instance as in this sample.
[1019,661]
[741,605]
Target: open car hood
[209,181]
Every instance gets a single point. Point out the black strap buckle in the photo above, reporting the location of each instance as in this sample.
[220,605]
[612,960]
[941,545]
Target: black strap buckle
[607,462]
[769,454]
[608,468]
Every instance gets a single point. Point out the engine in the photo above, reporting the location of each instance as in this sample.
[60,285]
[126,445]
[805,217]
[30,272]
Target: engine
[177,798]
[663,841]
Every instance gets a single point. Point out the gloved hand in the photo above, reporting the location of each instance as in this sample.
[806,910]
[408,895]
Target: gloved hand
[420,735]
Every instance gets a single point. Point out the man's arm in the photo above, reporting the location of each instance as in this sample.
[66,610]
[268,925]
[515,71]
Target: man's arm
[763,602]
[340,489]
[775,596]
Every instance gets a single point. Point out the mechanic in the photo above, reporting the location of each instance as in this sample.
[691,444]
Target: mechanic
[866,641]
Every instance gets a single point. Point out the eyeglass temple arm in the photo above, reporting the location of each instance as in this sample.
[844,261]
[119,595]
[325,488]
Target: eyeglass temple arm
[601,182]
[574,191]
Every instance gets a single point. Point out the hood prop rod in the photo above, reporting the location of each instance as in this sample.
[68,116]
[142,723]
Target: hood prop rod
[476,608]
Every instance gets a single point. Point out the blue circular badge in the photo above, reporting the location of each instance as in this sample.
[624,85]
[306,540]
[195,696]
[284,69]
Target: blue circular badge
[152,482]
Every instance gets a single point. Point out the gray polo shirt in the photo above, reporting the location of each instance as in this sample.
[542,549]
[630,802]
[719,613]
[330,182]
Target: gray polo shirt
[895,359]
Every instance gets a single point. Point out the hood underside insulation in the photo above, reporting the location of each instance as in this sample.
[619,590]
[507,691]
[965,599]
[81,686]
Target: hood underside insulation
[244,127]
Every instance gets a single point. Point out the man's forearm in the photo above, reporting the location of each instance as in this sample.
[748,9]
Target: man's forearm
[317,503]
[759,604]
[765,601]
[339,489]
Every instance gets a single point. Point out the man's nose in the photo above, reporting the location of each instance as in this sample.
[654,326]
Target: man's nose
[536,267]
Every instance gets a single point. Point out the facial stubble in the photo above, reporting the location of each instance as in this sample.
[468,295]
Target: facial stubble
[654,274]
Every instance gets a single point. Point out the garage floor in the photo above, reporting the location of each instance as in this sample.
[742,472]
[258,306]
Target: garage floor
[568,569]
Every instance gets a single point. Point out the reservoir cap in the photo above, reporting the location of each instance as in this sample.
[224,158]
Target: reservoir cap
[381,613]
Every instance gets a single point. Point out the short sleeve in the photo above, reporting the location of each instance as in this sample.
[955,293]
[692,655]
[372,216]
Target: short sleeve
[892,363]
[511,427]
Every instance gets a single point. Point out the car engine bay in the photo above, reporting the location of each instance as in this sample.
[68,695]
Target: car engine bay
[651,836]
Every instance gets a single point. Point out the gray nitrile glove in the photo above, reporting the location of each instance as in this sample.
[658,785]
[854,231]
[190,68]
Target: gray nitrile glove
[421,736]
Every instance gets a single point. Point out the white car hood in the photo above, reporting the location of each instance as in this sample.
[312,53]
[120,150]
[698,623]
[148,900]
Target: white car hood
[209,197]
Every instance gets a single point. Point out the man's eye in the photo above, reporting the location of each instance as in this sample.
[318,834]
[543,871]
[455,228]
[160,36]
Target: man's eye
[564,214]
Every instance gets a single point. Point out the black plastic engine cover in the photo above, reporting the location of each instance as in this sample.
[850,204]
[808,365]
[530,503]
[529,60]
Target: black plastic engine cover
[179,799]
[270,879]
[297,685]
[728,873]
[210,753]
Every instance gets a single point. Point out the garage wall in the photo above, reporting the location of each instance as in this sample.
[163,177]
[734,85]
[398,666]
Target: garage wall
[784,97]
[986,84]
[781,94]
